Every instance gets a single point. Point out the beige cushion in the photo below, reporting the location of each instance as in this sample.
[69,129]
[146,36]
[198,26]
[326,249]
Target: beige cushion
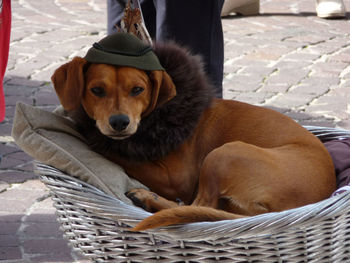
[53,140]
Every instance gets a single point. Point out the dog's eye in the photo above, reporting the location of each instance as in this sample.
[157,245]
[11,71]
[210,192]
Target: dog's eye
[136,91]
[98,91]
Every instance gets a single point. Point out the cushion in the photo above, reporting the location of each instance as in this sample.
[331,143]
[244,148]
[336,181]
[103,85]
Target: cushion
[340,152]
[52,139]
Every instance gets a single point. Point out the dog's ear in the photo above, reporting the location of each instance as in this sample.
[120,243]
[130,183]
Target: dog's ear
[68,81]
[163,89]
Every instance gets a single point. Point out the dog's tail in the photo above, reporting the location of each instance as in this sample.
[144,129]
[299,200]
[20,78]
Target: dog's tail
[184,214]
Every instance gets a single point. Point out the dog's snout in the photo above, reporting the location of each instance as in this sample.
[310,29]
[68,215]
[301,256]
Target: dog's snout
[119,122]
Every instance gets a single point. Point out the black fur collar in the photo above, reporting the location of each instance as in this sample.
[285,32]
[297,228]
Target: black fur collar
[168,126]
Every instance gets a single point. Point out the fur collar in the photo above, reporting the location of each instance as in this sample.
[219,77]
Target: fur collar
[167,126]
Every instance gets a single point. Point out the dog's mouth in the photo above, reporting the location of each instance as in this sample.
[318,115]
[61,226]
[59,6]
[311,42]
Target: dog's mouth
[118,136]
[109,132]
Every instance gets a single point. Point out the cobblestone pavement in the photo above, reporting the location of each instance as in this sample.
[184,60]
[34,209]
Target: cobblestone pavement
[286,58]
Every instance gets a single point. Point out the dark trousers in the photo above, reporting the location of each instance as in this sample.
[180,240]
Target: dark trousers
[195,24]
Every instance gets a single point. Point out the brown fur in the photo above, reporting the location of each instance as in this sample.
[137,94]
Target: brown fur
[212,154]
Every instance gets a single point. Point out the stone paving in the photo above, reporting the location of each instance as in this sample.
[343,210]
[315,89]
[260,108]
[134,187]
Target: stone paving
[285,58]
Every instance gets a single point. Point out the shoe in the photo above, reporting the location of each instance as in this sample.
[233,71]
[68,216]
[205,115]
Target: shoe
[243,7]
[330,8]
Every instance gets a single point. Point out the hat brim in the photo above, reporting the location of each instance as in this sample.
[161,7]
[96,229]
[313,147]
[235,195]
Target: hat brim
[147,61]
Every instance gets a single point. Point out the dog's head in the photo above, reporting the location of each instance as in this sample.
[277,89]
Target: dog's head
[116,97]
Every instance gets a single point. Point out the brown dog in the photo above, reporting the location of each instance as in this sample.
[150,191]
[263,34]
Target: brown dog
[223,159]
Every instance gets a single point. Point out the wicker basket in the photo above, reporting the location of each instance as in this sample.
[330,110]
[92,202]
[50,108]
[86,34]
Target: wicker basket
[96,225]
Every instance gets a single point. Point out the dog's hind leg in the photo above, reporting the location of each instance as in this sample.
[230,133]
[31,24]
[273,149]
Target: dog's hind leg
[245,179]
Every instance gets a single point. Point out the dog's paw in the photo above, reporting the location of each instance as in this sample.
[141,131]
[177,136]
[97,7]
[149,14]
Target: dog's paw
[142,198]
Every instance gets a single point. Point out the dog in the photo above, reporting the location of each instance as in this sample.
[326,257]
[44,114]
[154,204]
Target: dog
[203,158]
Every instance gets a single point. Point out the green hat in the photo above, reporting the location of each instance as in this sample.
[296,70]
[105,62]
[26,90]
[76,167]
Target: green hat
[123,49]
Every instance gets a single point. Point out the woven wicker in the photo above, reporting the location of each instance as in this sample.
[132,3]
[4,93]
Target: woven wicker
[96,225]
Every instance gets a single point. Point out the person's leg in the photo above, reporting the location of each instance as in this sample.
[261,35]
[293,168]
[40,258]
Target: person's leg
[115,12]
[196,25]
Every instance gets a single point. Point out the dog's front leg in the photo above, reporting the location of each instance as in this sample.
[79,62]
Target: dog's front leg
[149,201]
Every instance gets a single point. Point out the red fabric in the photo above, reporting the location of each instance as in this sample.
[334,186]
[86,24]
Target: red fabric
[5,29]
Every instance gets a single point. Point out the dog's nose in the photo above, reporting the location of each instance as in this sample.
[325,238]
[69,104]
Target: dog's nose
[119,122]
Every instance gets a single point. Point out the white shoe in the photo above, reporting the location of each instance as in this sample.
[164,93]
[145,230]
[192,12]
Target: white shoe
[243,7]
[330,8]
